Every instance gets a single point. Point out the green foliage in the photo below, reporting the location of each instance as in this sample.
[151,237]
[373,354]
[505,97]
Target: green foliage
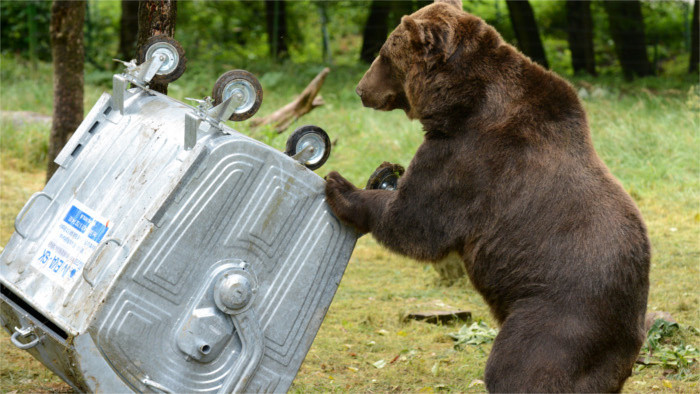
[666,346]
[494,13]
[101,33]
[551,18]
[24,28]
[477,333]
[667,24]
[233,33]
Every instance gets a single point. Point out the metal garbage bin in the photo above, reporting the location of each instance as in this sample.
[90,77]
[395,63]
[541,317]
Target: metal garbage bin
[170,253]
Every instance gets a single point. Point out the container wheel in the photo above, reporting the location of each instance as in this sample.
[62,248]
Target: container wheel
[175,60]
[243,84]
[385,178]
[309,136]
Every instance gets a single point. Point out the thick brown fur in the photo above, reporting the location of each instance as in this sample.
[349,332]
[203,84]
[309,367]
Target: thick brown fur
[508,178]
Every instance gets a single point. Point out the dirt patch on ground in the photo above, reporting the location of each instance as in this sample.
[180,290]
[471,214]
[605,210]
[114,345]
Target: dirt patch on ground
[20,118]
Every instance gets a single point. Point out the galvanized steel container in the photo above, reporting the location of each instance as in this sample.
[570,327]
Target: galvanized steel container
[162,259]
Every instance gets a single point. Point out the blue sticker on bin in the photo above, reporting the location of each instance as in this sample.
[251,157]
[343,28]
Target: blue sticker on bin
[97,231]
[70,243]
[78,219]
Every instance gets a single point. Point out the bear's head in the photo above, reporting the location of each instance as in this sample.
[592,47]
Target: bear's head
[437,61]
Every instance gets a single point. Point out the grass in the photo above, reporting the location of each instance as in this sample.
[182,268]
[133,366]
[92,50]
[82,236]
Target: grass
[646,131]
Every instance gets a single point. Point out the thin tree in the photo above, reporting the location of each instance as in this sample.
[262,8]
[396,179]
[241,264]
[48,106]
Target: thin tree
[525,27]
[580,31]
[694,45]
[375,31]
[276,18]
[156,17]
[627,31]
[128,31]
[68,51]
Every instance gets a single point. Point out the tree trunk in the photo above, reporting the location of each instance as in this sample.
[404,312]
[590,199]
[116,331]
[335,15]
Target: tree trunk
[580,29]
[694,45]
[376,30]
[128,30]
[525,27]
[276,17]
[627,31]
[156,17]
[68,51]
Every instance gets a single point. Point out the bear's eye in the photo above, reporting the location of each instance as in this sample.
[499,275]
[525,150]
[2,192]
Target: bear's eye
[389,65]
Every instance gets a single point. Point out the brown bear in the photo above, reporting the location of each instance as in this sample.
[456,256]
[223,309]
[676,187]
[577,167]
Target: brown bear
[507,177]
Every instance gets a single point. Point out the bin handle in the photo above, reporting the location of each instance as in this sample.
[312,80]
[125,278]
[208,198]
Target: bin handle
[24,210]
[24,332]
[93,258]
[247,326]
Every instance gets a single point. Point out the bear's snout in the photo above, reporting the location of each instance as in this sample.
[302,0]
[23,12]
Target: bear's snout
[364,97]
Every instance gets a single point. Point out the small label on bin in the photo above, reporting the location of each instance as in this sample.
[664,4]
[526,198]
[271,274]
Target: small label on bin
[69,244]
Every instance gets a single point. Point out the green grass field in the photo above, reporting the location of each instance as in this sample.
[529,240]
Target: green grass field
[647,132]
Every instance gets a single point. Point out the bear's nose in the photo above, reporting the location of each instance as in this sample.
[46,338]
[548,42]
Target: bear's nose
[358,91]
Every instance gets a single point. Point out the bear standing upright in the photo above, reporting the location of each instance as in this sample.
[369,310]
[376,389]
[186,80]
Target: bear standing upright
[508,178]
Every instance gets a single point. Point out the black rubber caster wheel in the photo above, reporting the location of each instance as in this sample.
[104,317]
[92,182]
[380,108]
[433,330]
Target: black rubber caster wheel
[175,60]
[243,84]
[310,136]
[386,177]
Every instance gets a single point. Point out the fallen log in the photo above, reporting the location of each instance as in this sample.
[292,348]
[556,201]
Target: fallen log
[435,317]
[300,106]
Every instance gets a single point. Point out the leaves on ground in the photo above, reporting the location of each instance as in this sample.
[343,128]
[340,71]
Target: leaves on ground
[666,346]
[477,333]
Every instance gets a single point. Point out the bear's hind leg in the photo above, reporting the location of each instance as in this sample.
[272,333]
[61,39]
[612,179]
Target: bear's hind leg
[525,359]
[543,349]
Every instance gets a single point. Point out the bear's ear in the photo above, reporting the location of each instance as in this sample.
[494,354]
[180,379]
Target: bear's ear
[456,3]
[434,38]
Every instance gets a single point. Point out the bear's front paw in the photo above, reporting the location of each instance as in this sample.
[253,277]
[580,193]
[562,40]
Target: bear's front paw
[336,182]
[395,168]
[338,189]
[339,195]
